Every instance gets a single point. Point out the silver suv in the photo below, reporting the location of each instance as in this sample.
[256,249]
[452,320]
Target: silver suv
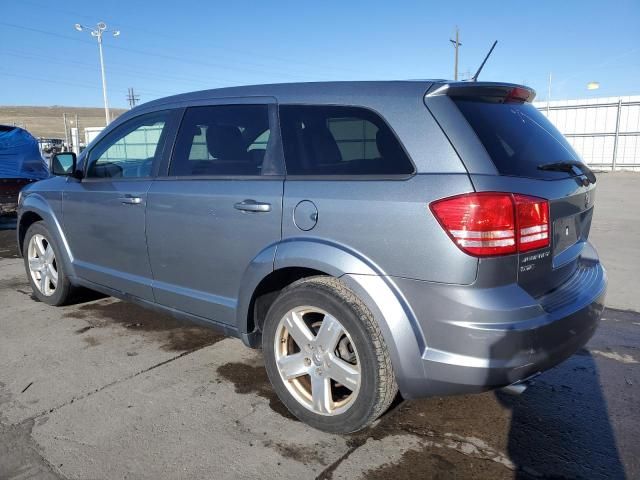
[425,237]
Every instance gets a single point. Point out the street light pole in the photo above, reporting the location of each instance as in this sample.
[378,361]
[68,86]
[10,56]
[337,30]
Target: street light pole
[456,45]
[97,33]
[104,81]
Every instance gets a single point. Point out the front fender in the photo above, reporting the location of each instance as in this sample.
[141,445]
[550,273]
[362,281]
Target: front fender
[37,204]
[398,325]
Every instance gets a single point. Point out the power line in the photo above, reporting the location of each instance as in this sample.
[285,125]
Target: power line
[125,68]
[75,84]
[148,53]
[226,48]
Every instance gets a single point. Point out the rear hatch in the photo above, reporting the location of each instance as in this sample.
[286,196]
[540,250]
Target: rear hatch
[507,145]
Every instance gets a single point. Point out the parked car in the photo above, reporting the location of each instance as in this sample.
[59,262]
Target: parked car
[426,237]
[20,164]
[50,145]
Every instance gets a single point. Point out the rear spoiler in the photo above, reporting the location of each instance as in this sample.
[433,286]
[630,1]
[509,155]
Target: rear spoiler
[495,92]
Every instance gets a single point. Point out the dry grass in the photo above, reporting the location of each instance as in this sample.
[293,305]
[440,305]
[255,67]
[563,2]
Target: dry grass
[47,121]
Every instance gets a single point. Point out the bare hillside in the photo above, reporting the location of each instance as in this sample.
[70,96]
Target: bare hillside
[47,121]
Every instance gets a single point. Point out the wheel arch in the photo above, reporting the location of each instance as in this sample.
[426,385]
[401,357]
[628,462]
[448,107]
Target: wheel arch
[283,263]
[34,209]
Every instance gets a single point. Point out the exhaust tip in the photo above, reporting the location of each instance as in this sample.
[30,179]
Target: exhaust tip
[515,389]
[518,388]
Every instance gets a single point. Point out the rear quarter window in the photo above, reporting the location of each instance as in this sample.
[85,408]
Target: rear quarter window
[517,137]
[335,141]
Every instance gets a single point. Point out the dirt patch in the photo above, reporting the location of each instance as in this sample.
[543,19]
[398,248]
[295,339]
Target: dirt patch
[444,464]
[47,121]
[253,379]
[471,416]
[91,341]
[305,455]
[19,284]
[174,335]
[8,243]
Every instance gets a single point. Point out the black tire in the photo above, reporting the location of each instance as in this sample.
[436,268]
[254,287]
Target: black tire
[64,291]
[378,386]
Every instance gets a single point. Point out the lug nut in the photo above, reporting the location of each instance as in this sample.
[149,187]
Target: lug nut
[307,361]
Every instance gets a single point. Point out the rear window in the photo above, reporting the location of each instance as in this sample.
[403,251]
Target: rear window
[330,140]
[517,137]
[223,140]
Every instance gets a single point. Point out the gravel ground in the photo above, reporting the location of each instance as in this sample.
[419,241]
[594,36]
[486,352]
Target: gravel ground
[104,389]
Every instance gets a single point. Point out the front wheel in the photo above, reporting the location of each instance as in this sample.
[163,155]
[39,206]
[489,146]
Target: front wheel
[46,274]
[325,356]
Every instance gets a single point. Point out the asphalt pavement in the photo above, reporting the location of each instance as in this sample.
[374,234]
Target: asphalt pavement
[105,389]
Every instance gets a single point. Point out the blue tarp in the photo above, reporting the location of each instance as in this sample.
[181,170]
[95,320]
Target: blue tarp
[20,156]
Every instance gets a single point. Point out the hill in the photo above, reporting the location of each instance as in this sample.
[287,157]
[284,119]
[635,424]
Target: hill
[47,121]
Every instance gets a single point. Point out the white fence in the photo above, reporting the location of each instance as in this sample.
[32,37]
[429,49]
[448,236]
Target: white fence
[604,131]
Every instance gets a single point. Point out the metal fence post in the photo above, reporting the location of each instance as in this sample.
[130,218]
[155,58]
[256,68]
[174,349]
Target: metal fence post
[617,135]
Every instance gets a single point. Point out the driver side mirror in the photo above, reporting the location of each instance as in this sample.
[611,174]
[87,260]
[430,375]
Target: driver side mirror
[63,163]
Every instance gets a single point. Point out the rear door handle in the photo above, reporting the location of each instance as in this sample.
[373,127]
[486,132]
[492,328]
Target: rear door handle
[252,206]
[131,200]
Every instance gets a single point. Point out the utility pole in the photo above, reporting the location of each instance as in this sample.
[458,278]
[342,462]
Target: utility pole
[97,33]
[549,94]
[76,143]
[456,44]
[66,133]
[132,98]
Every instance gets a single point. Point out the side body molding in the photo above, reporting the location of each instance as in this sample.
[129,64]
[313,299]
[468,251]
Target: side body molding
[398,325]
[35,203]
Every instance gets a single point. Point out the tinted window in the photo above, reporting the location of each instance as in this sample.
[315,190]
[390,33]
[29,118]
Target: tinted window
[131,149]
[321,140]
[517,137]
[223,140]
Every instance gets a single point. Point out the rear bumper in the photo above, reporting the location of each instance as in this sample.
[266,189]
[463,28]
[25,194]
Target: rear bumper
[477,339]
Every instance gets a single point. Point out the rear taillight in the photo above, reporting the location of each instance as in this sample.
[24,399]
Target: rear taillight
[490,223]
[532,217]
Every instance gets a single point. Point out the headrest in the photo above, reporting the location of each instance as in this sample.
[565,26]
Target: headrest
[225,142]
[322,145]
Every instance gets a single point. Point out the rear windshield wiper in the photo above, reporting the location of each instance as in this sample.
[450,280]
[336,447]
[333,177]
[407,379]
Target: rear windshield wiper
[569,167]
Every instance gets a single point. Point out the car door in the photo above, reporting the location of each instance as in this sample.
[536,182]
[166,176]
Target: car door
[218,207]
[104,212]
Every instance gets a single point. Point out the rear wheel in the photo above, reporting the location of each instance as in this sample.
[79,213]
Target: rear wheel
[46,274]
[326,357]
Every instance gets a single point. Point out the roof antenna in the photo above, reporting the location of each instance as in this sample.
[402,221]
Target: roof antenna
[475,77]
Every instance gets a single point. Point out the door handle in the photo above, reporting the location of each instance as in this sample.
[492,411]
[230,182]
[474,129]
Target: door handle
[131,200]
[252,206]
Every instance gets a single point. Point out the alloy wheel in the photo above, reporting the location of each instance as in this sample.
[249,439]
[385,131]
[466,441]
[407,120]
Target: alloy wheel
[317,360]
[42,265]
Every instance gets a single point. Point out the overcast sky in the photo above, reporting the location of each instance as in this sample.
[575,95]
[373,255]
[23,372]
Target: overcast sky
[169,47]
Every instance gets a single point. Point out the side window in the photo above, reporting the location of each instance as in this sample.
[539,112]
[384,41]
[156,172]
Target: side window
[131,149]
[223,140]
[329,140]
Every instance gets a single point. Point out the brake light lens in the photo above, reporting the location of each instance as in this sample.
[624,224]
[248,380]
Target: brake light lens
[494,223]
[517,95]
[532,215]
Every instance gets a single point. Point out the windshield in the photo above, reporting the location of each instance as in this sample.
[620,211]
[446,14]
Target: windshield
[517,137]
